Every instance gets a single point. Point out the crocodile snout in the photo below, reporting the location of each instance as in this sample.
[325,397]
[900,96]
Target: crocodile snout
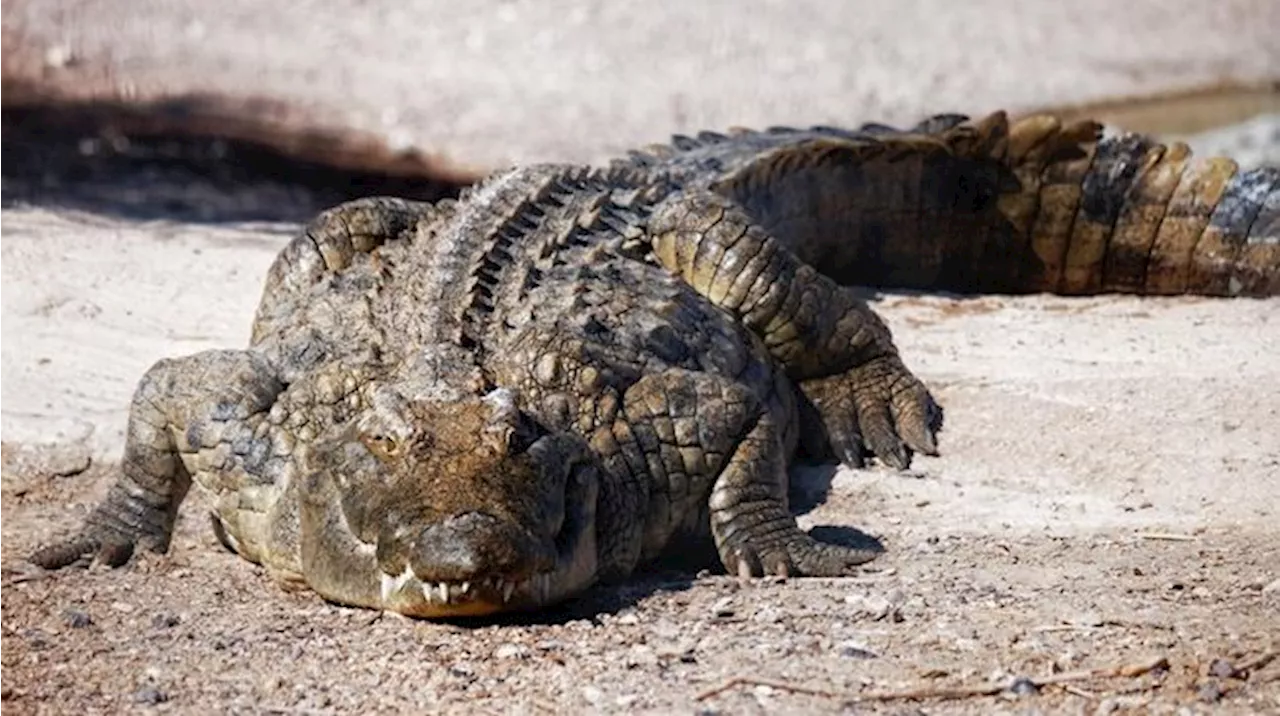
[474,546]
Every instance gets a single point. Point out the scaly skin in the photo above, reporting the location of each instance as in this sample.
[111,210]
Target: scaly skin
[995,206]
[492,403]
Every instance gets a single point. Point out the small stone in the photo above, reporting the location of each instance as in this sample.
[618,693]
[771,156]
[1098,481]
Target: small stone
[1107,706]
[165,621]
[150,695]
[1088,619]
[641,655]
[1022,686]
[767,615]
[1272,587]
[77,619]
[1209,693]
[852,650]
[723,608]
[509,651]
[626,700]
[628,619]
[548,645]
[1221,668]
[592,695]
[877,608]
[121,607]
[873,607]
[461,669]
[36,639]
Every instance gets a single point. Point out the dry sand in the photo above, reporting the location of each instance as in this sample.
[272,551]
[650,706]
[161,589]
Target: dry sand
[1110,479]
[486,83]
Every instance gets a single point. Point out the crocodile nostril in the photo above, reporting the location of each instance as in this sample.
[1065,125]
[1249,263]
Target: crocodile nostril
[475,545]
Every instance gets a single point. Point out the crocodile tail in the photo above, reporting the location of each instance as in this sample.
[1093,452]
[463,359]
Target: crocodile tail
[1012,207]
[912,208]
[1136,216]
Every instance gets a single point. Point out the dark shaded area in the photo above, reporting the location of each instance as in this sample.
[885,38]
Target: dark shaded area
[177,164]
[594,603]
[663,577]
[846,536]
[809,486]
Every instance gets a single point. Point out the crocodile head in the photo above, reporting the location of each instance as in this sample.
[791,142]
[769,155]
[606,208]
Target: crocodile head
[450,508]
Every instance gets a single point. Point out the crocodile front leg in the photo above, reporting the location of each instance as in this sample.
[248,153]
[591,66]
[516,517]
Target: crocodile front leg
[199,415]
[837,349]
[698,434]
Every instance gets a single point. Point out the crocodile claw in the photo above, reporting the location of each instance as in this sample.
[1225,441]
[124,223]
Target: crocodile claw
[878,408]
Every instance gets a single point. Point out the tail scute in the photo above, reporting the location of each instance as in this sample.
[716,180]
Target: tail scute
[1124,213]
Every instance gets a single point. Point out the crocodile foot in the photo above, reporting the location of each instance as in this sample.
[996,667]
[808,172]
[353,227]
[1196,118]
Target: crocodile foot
[106,537]
[878,408]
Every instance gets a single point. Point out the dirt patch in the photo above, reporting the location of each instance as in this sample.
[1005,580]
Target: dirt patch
[200,630]
[1077,521]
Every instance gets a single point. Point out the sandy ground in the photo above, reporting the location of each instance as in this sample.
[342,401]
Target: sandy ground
[1110,482]
[1079,431]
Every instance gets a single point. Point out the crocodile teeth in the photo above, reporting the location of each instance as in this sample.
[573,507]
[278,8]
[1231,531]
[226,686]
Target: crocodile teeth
[436,592]
[507,589]
[391,585]
[465,587]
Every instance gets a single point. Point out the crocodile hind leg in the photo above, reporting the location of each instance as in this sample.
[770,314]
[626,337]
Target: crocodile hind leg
[204,408]
[697,434]
[836,348]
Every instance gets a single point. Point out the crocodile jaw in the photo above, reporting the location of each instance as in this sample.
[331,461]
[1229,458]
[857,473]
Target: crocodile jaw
[574,572]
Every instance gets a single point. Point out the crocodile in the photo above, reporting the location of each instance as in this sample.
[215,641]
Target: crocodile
[491,403]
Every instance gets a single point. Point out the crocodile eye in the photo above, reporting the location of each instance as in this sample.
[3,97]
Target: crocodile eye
[383,446]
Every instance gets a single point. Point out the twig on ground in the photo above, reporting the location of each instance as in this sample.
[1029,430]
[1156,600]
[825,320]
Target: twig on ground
[944,692]
[1257,662]
[759,681]
[1067,627]
[1167,536]
[1077,691]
